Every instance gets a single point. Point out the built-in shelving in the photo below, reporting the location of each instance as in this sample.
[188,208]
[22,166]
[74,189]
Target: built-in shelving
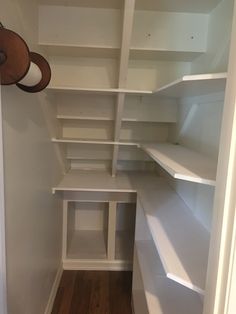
[183,163]
[102,91]
[65,117]
[87,244]
[95,141]
[163,55]
[162,294]
[80,51]
[182,242]
[194,85]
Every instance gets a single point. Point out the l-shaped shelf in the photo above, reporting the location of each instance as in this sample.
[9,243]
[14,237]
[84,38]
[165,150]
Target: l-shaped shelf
[187,86]
[182,242]
[162,294]
[194,85]
[182,163]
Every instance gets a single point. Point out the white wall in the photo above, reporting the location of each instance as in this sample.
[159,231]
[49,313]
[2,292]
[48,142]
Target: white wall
[219,33]
[33,214]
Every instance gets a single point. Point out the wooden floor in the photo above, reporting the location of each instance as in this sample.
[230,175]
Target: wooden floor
[94,292]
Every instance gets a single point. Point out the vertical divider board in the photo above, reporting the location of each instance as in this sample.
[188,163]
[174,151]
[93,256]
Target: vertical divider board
[129,7]
[111,237]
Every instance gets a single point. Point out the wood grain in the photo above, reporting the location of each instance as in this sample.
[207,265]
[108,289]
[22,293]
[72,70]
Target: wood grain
[94,292]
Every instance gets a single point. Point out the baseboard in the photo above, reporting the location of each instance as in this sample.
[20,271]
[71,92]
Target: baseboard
[70,264]
[53,292]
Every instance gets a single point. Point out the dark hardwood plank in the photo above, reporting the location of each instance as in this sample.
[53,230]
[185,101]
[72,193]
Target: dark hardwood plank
[94,292]
[63,299]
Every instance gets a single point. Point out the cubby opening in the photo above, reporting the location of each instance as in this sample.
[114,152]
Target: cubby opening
[87,226]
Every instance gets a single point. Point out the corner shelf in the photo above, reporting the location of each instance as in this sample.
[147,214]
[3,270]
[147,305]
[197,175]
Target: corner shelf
[194,85]
[181,241]
[162,294]
[182,163]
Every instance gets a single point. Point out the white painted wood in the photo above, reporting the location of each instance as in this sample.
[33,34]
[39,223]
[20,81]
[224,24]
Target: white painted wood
[66,117]
[54,290]
[87,129]
[182,163]
[83,72]
[102,91]
[219,296]
[170,31]
[3,281]
[162,5]
[89,152]
[94,21]
[101,181]
[179,237]
[153,74]
[89,264]
[82,106]
[111,241]
[139,53]
[64,229]
[162,294]
[149,109]
[194,85]
[53,49]
[87,244]
[144,132]
[95,141]
[124,245]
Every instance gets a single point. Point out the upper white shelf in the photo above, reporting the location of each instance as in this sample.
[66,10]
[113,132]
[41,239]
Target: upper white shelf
[162,294]
[93,141]
[102,91]
[163,55]
[194,85]
[80,51]
[182,163]
[182,242]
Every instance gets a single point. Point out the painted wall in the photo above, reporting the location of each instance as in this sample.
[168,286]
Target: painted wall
[33,214]
[219,32]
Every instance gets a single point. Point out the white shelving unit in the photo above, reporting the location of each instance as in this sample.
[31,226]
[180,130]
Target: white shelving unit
[162,294]
[169,219]
[182,163]
[124,85]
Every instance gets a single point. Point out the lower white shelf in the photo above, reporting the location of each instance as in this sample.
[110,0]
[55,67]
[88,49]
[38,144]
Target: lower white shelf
[87,244]
[162,294]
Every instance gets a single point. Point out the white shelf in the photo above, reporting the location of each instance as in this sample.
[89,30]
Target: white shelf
[66,117]
[102,91]
[80,51]
[102,181]
[138,120]
[94,141]
[87,244]
[182,163]
[182,242]
[162,294]
[163,55]
[194,85]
